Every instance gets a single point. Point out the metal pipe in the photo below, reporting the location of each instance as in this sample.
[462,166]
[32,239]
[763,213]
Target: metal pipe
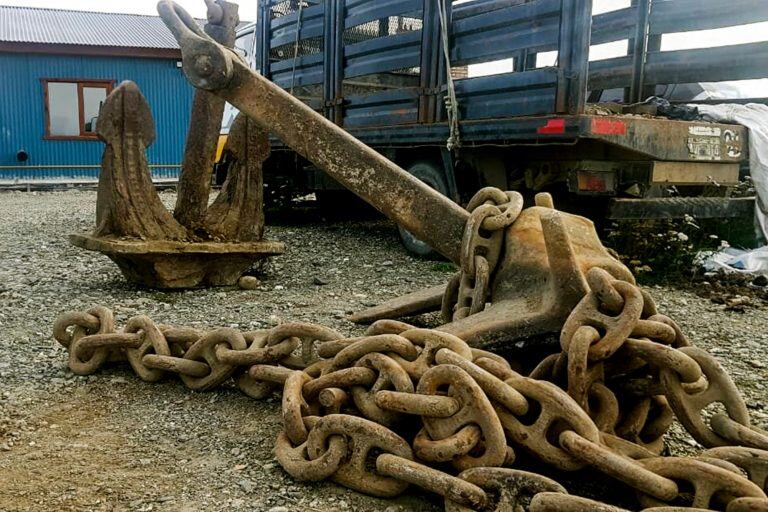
[403,198]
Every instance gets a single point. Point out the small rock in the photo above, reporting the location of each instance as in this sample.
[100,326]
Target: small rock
[761,281]
[738,304]
[757,364]
[246,485]
[278,509]
[248,283]
[317,281]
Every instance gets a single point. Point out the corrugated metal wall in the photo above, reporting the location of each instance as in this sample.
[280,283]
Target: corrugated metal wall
[22,117]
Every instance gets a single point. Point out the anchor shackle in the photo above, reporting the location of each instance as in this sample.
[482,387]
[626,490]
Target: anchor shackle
[207,64]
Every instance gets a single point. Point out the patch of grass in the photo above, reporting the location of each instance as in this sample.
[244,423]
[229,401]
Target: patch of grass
[665,250]
[445,267]
[168,298]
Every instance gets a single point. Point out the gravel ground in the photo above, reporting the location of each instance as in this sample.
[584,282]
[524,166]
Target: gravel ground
[111,442]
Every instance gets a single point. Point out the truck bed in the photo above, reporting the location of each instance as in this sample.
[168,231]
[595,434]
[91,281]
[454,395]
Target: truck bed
[650,137]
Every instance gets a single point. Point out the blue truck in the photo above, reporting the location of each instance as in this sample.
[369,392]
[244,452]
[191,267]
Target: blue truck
[400,75]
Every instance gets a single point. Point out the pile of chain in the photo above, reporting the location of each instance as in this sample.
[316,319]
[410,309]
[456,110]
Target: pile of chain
[404,406]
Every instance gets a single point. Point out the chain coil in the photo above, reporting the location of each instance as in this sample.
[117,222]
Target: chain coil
[384,411]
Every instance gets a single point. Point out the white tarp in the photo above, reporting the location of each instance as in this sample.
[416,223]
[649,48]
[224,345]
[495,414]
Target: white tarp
[755,117]
[736,260]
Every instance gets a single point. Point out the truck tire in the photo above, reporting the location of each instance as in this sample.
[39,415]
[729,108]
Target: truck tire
[433,176]
[343,203]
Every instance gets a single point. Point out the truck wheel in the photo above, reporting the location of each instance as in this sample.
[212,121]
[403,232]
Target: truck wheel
[433,176]
[343,203]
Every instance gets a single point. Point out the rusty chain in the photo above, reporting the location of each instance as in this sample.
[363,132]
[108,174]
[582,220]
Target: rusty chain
[348,405]
[491,212]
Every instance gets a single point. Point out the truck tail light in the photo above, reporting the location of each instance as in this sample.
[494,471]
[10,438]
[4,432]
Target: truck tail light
[596,182]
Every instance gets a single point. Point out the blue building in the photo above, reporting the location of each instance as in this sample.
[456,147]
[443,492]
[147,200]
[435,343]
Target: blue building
[57,66]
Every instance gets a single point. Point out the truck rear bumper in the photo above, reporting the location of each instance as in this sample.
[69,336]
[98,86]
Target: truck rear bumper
[679,207]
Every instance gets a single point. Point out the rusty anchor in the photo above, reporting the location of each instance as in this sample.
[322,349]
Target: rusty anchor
[546,254]
[197,245]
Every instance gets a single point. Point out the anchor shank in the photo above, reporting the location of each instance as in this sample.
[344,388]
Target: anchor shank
[403,198]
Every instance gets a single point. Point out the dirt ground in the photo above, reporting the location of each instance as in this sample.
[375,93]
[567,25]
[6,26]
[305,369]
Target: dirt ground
[110,442]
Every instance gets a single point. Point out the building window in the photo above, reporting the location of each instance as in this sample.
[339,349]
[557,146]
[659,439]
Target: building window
[72,107]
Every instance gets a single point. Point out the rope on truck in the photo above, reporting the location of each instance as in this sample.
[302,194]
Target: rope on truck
[451,102]
[299,23]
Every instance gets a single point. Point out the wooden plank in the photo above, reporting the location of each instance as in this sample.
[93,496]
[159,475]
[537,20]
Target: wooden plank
[613,73]
[691,15]
[383,54]
[302,62]
[614,25]
[309,70]
[500,33]
[503,42]
[289,20]
[737,62]
[476,7]
[691,173]
[509,94]
[679,207]
[573,55]
[529,14]
[363,11]
[399,106]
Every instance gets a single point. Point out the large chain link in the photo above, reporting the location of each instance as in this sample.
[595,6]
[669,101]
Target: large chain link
[393,407]
[491,212]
